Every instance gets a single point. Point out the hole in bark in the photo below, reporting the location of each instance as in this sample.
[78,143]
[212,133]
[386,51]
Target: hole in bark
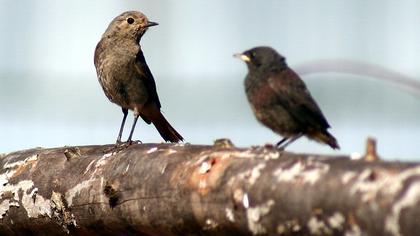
[112,195]
[372,176]
[91,211]
[71,227]
[113,201]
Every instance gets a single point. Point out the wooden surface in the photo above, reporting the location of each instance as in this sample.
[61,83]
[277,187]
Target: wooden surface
[177,189]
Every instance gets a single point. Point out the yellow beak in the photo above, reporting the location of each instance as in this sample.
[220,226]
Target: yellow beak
[242,57]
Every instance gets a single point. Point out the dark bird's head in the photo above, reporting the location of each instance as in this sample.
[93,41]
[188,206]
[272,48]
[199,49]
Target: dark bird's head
[129,25]
[262,58]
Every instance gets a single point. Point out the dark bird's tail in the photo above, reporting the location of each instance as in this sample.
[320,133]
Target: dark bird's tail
[165,130]
[325,137]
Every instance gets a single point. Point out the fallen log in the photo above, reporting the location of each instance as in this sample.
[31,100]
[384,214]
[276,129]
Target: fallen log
[181,189]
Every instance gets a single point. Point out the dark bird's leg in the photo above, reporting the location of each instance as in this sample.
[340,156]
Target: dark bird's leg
[294,138]
[125,111]
[281,142]
[136,117]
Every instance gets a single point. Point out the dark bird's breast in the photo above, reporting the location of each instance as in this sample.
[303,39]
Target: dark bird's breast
[264,103]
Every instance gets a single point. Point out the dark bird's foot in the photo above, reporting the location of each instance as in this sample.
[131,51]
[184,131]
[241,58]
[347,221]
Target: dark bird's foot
[130,142]
[282,144]
[127,143]
[280,148]
[279,145]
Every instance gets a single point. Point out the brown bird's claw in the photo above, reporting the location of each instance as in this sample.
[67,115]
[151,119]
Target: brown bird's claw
[119,142]
[117,147]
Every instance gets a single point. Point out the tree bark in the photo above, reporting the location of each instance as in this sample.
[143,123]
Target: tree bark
[177,189]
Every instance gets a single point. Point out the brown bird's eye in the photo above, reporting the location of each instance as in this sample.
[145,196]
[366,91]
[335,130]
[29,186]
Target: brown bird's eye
[130,20]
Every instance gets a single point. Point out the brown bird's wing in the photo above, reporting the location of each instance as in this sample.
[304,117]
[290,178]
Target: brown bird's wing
[146,76]
[292,94]
[151,110]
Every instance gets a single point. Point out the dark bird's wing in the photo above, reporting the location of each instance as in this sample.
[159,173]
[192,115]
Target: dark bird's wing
[146,75]
[292,94]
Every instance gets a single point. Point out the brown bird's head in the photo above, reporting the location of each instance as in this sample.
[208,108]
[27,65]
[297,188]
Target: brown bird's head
[261,58]
[129,25]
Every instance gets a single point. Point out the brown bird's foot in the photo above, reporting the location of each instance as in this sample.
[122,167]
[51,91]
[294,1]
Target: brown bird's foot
[117,147]
[119,142]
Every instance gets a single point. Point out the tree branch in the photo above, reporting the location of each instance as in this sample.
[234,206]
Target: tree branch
[167,189]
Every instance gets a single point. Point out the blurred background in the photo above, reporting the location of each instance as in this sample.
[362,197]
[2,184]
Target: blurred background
[50,96]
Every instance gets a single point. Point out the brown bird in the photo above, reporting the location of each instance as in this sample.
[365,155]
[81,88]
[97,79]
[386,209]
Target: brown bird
[125,77]
[280,99]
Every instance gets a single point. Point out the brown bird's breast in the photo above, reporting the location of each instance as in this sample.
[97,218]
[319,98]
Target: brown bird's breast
[120,80]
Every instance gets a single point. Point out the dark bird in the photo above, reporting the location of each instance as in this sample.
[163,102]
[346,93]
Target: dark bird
[280,99]
[125,77]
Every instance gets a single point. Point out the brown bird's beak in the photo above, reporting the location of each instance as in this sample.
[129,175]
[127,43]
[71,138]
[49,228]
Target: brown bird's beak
[242,57]
[150,24]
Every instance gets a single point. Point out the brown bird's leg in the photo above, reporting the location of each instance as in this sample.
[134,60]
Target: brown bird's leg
[281,142]
[125,111]
[281,148]
[136,116]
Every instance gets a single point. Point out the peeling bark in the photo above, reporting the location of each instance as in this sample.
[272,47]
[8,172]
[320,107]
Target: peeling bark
[173,189]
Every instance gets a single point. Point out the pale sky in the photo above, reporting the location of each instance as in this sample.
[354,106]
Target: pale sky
[49,94]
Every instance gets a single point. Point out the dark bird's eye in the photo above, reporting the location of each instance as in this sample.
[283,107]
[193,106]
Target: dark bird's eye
[253,55]
[130,20]
[254,59]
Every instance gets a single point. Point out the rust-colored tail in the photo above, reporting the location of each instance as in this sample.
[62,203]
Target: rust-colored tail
[327,138]
[165,130]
